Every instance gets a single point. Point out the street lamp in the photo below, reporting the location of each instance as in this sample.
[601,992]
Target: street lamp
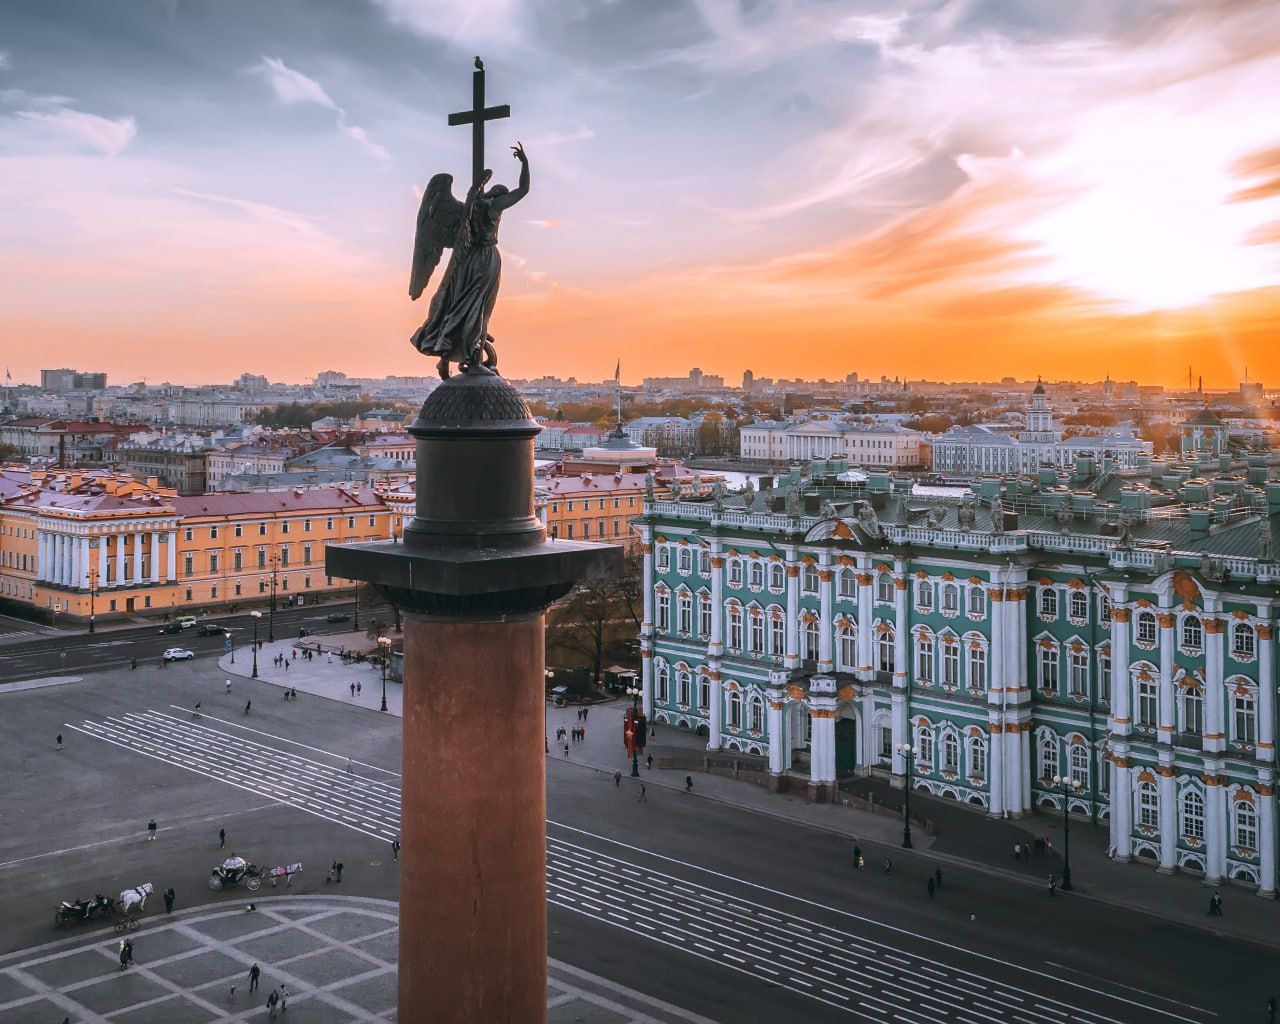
[635,693]
[256,616]
[385,643]
[1068,786]
[909,754]
[231,646]
[357,622]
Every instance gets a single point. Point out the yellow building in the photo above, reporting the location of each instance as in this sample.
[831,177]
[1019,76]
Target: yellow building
[77,544]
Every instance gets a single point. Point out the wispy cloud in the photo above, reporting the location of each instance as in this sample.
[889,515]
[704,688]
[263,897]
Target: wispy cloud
[4,60]
[292,87]
[473,26]
[258,211]
[549,224]
[108,136]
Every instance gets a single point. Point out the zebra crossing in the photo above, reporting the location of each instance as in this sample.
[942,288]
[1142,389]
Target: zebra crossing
[864,977]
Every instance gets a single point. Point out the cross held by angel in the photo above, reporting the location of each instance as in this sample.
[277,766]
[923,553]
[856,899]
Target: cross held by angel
[457,325]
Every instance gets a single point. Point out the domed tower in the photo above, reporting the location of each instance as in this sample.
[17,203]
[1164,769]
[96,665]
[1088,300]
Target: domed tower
[1040,428]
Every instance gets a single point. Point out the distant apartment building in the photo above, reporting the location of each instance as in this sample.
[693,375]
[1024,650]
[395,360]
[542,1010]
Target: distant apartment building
[71,380]
[661,431]
[230,462]
[695,381]
[887,447]
[64,442]
[185,470]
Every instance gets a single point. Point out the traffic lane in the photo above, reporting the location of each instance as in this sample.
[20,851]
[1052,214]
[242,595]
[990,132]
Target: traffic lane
[1011,923]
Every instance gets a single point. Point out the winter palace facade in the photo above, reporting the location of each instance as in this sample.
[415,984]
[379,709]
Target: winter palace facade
[1024,631]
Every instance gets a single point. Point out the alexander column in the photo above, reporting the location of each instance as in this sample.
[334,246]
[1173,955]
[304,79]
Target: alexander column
[474,573]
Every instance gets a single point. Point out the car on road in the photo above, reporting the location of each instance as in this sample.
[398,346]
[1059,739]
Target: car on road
[186,621]
[170,627]
[337,617]
[211,629]
[178,654]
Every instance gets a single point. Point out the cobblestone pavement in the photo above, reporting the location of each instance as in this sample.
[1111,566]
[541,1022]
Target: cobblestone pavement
[336,955]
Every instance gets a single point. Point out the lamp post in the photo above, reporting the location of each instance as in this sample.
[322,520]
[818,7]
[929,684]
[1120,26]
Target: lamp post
[256,616]
[357,622]
[634,692]
[385,643]
[1068,786]
[908,753]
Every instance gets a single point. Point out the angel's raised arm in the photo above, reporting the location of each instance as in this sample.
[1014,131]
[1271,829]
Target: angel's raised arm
[507,199]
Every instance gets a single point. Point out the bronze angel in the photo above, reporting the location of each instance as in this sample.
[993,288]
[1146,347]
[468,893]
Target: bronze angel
[457,324]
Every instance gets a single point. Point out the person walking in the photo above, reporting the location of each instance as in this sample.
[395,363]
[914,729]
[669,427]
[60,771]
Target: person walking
[648,762]
[151,829]
[59,741]
[350,770]
[353,691]
[273,1000]
[284,997]
[1053,885]
[888,866]
[169,897]
[255,972]
[337,866]
[617,779]
[1215,904]
[395,848]
[937,877]
[566,750]
[688,783]
[643,798]
[1017,851]
[222,838]
[359,688]
[930,887]
[247,705]
[126,953]
[228,686]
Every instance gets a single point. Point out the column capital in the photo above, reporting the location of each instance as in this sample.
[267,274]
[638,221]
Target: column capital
[1121,614]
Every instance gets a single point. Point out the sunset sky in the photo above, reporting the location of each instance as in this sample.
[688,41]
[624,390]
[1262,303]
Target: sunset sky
[190,189]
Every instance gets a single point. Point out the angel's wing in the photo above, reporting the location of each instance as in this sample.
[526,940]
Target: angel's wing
[439,218]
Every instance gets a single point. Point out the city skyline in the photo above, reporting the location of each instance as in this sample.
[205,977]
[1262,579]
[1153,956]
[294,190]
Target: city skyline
[949,191]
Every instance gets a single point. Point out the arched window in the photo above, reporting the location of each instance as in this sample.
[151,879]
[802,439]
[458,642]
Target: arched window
[704,694]
[1078,670]
[683,685]
[755,714]
[1145,628]
[704,616]
[1245,830]
[924,746]
[1243,642]
[809,578]
[1078,759]
[811,640]
[848,583]
[663,558]
[950,752]
[1192,815]
[1244,714]
[704,563]
[950,662]
[848,648]
[662,609]
[684,612]
[777,577]
[661,682]
[1048,603]
[1148,697]
[756,631]
[1104,672]
[884,588]
[684,561]
[950,597]
[735,572]
[924,657]
[735,627]
[977,601]
[924,595]
[777,633]
[978,757]
[735,709]
[977,668]
[1148,805]
[757,575]
[1048,756]
[1191,710]
[1192,632]
[1048,666]
[1078,607]
[885,650]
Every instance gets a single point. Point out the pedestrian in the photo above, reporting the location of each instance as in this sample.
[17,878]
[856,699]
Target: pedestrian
[359,689]
[284,997]
[272,1001]
[254,972]
[688,783]
[169,897]
[395,848]
[1048,845]
[566,750]
[648,762]
[338,867]
[617,779]
[59,741]
[937,877]
[353,691]
[151,829]
[350,770]
[585,712]
[643,798]
[125,954]
[930,887]
[888,866]
[247,705]
[222,838]
[286,666]
[1271,1009]
[293,693]
[857,855]
[1053,885]
[1017,851]
[228,686]
[1215,904]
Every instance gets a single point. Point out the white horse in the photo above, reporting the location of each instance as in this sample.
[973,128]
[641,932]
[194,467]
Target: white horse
[131,898]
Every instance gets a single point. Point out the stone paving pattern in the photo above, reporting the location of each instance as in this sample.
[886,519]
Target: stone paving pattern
[337,955]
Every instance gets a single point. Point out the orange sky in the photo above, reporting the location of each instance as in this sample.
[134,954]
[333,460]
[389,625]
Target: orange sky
[943,194]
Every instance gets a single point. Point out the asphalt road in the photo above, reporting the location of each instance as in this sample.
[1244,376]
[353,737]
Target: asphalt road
[727,913]
[72,653]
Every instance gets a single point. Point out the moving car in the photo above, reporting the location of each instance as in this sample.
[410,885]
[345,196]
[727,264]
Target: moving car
[178,654]
[211,629]
[170,627]
[186,621]
[337,617]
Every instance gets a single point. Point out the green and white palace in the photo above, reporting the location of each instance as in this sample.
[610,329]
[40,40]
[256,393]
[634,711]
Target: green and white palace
[1112,629]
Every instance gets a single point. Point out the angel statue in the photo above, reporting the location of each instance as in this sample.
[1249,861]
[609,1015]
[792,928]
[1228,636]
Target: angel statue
[457,325]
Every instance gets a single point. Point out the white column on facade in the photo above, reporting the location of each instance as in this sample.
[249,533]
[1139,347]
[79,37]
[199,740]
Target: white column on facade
[1166,713]
[822,747]
[42,557]
[1215,827]
[1266,790]
[716,647]
[137,557]
[64,560]
[715,717]
[71,560]
[793,610]
[826,613]
[866,615]
[1122,807]
[55,557]
[995,700]
[122,563]
[155,557]
[1168,815]
[1016,728]
[1121,686]
[646,624]
[85,557]
[172,538]
[776,698]
[1266,692]
[1215,698]
[901,711]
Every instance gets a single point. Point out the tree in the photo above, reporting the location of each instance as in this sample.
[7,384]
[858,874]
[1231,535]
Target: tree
[588,620]
[377,628]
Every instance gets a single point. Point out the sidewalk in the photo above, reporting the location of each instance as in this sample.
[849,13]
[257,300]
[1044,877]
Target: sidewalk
[323,676]
[969,840]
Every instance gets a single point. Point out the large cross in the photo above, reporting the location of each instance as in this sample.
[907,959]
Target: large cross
[476,117]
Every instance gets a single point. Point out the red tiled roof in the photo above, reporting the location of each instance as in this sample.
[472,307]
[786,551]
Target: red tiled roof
[234,503]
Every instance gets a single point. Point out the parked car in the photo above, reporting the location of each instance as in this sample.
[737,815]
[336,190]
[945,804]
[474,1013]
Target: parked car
[337,617]
[211,629]
[178,654]
[170,627]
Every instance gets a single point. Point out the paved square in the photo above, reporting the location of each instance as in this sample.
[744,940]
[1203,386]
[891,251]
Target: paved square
[336,954]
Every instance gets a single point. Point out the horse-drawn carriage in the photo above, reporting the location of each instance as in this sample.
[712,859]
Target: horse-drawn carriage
[233,871]
[105,908]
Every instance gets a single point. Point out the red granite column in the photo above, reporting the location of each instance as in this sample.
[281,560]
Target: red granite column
[473,912]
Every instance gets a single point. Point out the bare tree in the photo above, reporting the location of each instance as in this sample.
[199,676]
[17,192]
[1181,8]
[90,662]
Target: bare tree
[580,622]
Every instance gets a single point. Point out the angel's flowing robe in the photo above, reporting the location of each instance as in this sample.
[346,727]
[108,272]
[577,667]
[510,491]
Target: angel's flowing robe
[458,320]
